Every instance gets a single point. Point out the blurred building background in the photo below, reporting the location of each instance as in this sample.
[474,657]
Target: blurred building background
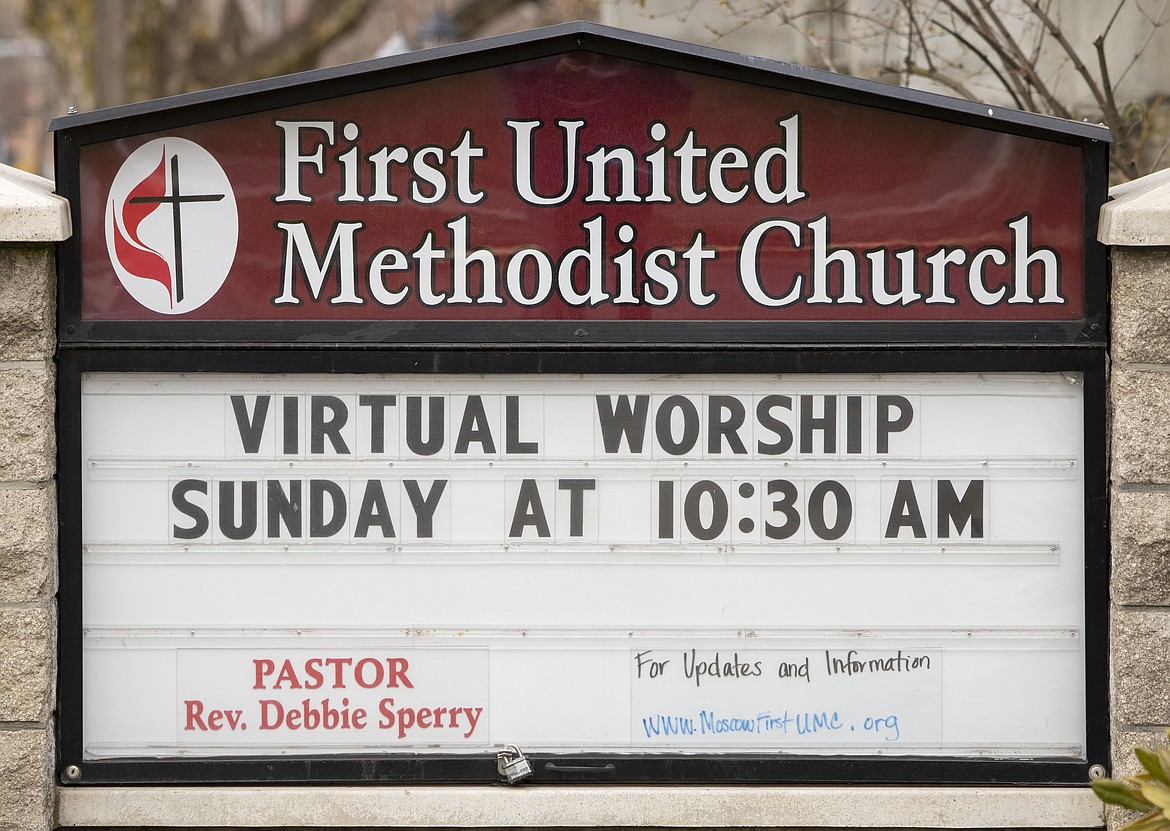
[1100,60]
[89,54]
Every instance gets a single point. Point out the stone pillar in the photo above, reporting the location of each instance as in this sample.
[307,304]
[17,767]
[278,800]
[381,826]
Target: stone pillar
[1136,224]
[32,219]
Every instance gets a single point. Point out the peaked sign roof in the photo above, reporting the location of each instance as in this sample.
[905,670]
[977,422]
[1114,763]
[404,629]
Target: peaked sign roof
[580,184]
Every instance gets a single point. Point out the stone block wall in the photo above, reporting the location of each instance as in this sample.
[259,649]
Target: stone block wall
[31,220]
[1136,225]
[1140,501]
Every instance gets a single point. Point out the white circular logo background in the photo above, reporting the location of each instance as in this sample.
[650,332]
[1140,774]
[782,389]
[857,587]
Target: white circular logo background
[171,225]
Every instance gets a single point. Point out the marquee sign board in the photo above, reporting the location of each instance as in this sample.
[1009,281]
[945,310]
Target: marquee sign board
[512,433]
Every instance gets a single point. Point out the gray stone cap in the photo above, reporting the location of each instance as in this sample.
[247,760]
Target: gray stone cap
[1138,212]
[29,210]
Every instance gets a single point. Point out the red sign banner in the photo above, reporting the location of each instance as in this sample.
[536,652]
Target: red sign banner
[582,187]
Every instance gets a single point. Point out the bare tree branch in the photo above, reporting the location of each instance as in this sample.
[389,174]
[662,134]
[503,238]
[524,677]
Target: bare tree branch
[942,79]
[168,47]
[301,45]
[1029,80]
[472,16]
[1058,35]
[986,60]
[1155,24]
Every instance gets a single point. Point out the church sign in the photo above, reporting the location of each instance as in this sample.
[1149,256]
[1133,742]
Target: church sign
[578,406]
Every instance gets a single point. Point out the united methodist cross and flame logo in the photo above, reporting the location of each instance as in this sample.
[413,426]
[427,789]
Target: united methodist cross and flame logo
[171,225]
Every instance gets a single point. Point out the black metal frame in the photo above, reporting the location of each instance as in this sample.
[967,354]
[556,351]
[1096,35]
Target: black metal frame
[594,347]
[586,768]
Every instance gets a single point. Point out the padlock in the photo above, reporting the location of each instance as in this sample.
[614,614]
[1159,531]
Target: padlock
[512,764]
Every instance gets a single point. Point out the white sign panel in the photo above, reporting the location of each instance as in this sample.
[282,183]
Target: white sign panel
[446,563]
